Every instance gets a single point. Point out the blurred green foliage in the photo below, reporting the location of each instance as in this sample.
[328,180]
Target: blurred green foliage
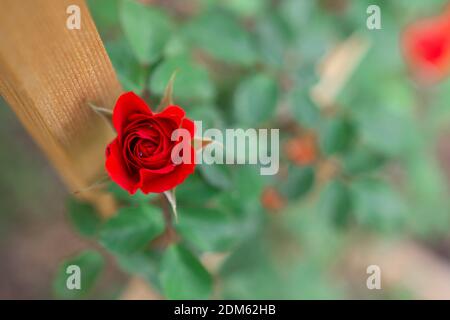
[244,64]
[183,276]
[131,229]
[90,264]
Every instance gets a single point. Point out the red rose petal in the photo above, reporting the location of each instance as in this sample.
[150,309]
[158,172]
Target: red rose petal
[127,105]
[156,182]
[189,126]
[172,112]
[117,168]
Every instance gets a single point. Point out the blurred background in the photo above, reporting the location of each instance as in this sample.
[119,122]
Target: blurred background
[365,152]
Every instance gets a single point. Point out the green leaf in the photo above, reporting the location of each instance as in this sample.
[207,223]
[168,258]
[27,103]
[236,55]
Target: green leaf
[216,175]
[147,29]
[208,115]
[143,263]
[271,40]
[296,14]
[105,14]
[195,191]
[247,8]
[192,81]
[130,73]
[248,182]
[209,229]
[427,187]
[336,135]
[132,228]
[362,160]
[219,33]
[90,265]
[176,46]
[248,186]
[387,131]
[301,17]
[249,273]
[183,276]
[298,183]
[303,108]
[84,217]
[377,205]
[312,230]
[335,203]
[255,100]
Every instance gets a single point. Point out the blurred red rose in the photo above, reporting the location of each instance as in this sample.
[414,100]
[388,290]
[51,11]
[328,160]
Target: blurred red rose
[426,47]
[140,156]
[272,200]
[301,150]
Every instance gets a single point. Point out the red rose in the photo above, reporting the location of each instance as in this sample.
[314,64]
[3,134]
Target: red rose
[140,157]
[426,46]
[302,150]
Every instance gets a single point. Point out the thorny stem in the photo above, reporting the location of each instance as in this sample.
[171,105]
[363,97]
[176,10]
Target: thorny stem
[169,235]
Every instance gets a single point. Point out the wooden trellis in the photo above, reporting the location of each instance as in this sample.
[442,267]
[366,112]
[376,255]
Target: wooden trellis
[48,74]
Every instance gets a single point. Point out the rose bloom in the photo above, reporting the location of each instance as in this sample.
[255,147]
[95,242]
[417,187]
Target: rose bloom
[426,47]
[140,157]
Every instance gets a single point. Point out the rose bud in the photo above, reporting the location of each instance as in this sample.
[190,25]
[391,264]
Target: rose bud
[426,47]
[301,150]
[272,200]
[140,157]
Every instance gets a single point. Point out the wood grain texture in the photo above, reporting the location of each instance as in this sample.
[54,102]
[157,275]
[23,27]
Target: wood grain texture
[48,73]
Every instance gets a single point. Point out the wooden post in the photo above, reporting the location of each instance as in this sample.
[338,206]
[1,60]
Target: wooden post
[48,73]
